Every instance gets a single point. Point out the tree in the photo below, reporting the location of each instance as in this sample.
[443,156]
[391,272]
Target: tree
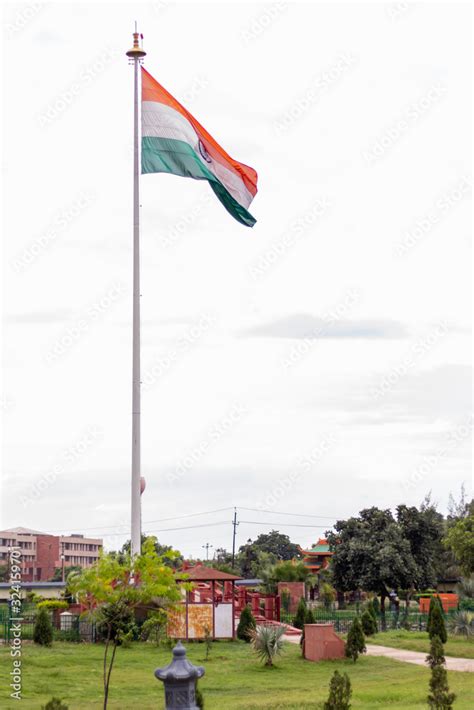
[460,540]
[286,571]
[116,585]
[437,627]
[275,542]
[340,692]
[267,642]
[439,698]
[43,628]
[369,624]
[301,611]
[174,560]
[371,552]
[355,643]
[246,625]
[423,529]
[58,572]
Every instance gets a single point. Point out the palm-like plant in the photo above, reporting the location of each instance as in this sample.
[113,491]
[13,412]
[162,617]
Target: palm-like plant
[461,623]
[267,642]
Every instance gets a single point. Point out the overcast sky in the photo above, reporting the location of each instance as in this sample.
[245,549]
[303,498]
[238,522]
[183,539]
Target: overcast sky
[318,363]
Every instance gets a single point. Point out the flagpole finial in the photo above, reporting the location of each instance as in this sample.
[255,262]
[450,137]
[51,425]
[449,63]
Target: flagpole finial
[136,52]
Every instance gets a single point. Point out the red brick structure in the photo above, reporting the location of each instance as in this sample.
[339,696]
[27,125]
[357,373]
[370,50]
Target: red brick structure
[296,591]
[47,557]
[321,643]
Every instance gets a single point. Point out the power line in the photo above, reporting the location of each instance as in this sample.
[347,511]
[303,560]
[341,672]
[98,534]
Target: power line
[297,515]
[148,522]
[291,525]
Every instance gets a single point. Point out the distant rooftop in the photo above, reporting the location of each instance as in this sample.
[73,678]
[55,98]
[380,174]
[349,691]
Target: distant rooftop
[24,531]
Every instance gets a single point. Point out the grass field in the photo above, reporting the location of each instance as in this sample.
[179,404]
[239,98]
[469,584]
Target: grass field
[234,680]
[419,641]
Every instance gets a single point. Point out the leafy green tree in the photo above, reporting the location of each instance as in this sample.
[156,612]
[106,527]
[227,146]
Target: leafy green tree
[340,692]
[43,628]
[58,572]
[424,530]
[301,612]
[355,643]
[273,542]
[460,540]
[246,625]
[175,559]
[369,624]
[437,627]
[115,584]
[371,552]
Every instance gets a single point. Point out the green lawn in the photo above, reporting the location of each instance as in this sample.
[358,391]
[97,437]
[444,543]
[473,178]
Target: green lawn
[234,679]
[419,641]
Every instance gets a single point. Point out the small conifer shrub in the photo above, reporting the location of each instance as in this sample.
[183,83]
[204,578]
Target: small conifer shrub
[43,629]
[340,692]
[355,643]
[246,625]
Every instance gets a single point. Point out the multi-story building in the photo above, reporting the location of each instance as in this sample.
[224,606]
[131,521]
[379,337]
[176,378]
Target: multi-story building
[43,553]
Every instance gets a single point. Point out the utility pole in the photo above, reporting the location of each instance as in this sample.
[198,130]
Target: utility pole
[234,523]
[207,546]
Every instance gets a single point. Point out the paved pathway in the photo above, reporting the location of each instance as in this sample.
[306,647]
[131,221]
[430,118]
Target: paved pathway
[400,654]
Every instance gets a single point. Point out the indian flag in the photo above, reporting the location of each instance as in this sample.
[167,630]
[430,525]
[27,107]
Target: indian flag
[174,142]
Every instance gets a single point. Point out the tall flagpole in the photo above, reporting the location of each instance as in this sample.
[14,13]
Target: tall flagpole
[136,54]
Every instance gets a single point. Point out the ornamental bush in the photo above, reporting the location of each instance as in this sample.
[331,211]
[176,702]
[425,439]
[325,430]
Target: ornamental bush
[300,618]
[43,629]
[437,627]
[369,624]
[439,698]
[246,625]
[52,604]
[55,704]
[339,692]
[355,643]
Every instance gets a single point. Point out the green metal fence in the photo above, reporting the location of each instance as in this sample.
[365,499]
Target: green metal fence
[342,619]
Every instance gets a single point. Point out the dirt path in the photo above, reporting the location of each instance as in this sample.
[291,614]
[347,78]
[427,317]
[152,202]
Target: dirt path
[400,654]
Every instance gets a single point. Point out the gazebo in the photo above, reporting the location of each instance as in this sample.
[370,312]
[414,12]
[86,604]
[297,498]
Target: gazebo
[208,609]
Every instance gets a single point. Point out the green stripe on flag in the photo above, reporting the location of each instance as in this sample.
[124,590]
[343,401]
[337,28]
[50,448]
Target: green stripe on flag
[165,155]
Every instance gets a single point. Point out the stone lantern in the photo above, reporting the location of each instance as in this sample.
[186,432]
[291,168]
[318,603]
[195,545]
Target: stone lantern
[179,678]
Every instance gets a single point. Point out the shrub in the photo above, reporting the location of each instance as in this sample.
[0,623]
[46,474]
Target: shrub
[300,618]
[285,597]
[267,642]
[339,692]
[246,625]
[434,602]
[376,606]
[355,643]
[437,627]
[309,619]
[440,698]
[436,654]
[461,623]
[52,604]
[369,624]
[117,623]
[327,595]
[207,641]
[55,704]
[43,629]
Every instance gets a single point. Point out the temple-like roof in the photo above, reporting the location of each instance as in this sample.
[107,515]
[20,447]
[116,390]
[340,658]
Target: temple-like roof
[199,573]
[319,548]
